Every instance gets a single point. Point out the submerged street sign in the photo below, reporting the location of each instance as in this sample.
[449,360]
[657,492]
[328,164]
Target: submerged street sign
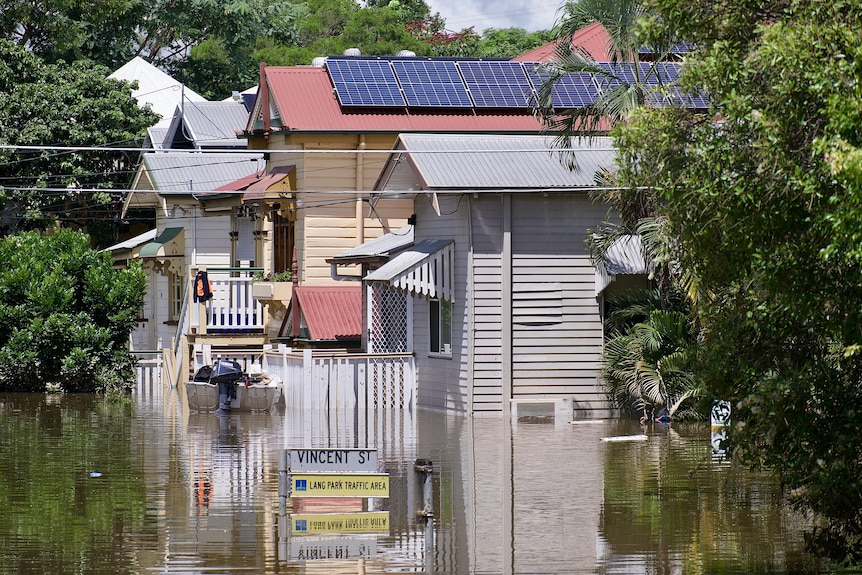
[362,522]
[345,485]
[333,460]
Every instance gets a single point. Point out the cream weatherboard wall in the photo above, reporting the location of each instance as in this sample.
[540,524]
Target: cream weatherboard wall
[333,214]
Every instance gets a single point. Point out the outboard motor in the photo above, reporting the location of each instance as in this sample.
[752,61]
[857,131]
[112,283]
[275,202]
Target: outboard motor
[226,374]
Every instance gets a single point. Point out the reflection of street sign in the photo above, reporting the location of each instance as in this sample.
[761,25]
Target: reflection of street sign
[307,549]
[332,460]
[339,485]
[720,414]
[362,522]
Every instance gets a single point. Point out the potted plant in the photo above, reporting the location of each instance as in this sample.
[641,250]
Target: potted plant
[272,286]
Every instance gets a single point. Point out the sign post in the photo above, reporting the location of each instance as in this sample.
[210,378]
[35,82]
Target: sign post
[348,473]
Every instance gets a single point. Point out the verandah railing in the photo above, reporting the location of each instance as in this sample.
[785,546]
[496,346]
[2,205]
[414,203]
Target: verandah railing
[232,309]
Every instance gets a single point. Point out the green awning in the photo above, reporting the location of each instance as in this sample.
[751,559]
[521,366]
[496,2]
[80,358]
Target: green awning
[168,244]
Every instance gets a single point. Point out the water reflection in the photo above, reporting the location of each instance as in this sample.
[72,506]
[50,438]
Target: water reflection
[151,488]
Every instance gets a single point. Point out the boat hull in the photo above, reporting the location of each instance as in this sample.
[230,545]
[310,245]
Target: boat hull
[203,396]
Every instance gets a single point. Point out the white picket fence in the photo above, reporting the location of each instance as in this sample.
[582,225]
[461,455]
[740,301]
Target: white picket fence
[150,382]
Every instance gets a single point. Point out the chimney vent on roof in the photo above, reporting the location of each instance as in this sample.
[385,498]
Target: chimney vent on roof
[352,52]
[406,54]
[318,62]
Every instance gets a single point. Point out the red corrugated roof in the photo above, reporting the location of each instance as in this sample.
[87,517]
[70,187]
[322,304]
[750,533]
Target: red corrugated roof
[305,99]
[332,313]
[256,185]
[593,38]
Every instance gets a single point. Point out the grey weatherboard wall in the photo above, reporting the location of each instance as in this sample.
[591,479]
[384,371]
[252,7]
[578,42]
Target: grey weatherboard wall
[526,321]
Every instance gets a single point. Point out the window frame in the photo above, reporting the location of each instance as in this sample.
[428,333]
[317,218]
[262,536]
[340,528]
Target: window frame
[440,327]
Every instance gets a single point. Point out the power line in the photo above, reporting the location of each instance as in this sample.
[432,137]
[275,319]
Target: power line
[305,151]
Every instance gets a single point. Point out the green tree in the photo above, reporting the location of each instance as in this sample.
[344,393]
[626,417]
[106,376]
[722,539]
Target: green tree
[208,44]
[60,105]
[332,26]
[621,93]
[510,42]
[649,353]
[65,315]
[766,202]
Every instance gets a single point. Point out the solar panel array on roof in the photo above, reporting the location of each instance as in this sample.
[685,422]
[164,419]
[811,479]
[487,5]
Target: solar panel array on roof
[365,82]
[576,90]
[495,84]
[437,83]
[431,83]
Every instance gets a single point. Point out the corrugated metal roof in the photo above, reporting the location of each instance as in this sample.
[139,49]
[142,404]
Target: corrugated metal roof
[199,172]
[210,124]
[385,245]
[424,269]
[499,162]
[132,243]
[306,103]
[624,257]
[331,313]
[155,88]
[593,39]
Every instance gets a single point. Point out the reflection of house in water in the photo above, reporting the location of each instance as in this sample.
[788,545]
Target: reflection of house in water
[232,472]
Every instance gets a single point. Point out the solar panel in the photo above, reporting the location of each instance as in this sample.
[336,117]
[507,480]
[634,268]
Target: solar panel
[576,90]
[360,82]
[497,84]
[431,83]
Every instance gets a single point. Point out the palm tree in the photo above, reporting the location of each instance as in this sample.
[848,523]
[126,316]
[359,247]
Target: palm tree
[648,356]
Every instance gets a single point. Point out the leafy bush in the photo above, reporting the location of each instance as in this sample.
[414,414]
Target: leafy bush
[65,315]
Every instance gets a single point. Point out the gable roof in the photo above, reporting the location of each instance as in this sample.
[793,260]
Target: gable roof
[593,39]
[381,248]
[207,125]
[331,313]
[198,172]
[302,100]
[155,88]
[496,162]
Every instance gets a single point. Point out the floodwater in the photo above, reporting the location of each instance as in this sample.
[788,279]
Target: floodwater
[91,488]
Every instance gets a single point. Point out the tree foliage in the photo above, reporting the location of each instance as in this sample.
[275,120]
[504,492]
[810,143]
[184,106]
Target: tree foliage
[65,105]
[65,315]
[209,44]
[765,198]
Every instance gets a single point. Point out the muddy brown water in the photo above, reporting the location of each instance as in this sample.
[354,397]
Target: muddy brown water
[98,489]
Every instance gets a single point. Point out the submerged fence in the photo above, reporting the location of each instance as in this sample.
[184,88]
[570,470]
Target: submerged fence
[334,396]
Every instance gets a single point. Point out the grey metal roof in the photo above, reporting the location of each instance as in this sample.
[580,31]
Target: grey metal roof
[504,162]
[210,124]
[624,257]
[199,171]
[385,245]
[406,259]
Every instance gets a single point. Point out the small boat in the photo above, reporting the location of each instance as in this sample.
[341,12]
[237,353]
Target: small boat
[223,388]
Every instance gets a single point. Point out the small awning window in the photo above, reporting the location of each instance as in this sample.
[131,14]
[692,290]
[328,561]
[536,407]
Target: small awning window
[426,269]
[168,244]
[624,257]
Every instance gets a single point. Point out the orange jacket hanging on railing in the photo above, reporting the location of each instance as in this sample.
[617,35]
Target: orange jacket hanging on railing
[203,287]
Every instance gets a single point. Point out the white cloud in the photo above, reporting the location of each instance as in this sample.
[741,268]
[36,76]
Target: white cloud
[482,14]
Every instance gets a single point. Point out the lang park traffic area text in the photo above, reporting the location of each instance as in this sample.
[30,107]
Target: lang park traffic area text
[339,485]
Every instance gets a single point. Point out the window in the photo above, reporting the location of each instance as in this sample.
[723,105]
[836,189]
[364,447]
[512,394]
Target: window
[440,313]
[176,287]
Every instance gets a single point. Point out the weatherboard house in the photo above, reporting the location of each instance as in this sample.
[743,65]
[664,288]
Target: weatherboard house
[332,185]
[497,297]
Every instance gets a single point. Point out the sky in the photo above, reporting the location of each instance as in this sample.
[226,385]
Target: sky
[531,15]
